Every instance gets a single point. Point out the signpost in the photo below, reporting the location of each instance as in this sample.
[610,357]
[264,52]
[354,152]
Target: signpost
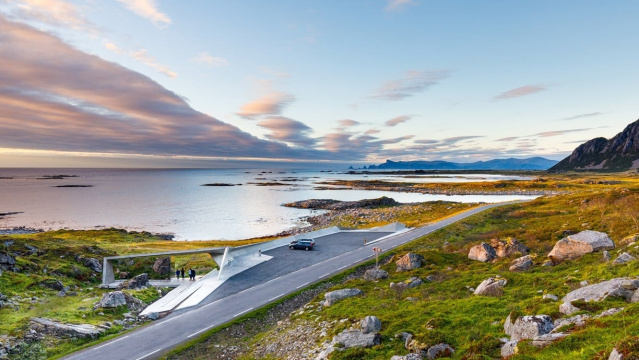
[377,251]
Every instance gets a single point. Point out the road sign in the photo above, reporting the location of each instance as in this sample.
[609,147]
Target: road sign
[377,251]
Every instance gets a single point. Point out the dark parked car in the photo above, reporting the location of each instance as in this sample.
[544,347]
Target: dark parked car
[302,244]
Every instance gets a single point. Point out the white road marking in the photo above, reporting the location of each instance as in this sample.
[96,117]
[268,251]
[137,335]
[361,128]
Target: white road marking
[149,354]
[203,330]
[304,284]
[327,274]
[277,297]
[243,312]
[101,346]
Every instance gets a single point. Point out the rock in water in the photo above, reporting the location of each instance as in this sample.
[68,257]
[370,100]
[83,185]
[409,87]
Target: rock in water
[162,266]
[136,282]
[375,274]
[55,328]
[492,286]
[575,246]
[482,252]
[409,261]
[370,324]
[529,327]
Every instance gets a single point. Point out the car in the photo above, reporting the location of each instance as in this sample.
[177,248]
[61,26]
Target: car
[302,244]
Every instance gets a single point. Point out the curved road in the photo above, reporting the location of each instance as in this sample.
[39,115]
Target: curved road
[157,338]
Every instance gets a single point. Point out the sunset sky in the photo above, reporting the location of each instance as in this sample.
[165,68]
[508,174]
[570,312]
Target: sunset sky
[198,83]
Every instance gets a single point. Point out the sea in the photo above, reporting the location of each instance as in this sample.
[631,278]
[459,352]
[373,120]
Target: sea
[174,201]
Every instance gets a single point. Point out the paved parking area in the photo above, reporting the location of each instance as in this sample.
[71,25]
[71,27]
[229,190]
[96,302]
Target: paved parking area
[286,261]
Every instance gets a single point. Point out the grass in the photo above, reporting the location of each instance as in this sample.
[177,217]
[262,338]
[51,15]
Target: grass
[445,310]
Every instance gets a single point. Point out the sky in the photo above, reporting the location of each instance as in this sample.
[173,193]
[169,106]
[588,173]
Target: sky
[212,83]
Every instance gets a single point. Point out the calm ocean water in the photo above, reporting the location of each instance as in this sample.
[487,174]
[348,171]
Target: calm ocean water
[173,200]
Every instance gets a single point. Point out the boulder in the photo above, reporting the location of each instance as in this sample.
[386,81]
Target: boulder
[407,357]
[508,247]
[544,340]
[482,252]
[118,298]
[623,258]
[136,282]
[578,320]
[577,245]
[162,266]
[439,350]
[620,287]
[529,327]
[409,261]
[414,282]
[521,264]
[550,297]
[375,274]
[92,263]
[615,355]
[492,286]
[606,255]
[7,262]
[509,349]
[355,338]
[370,324]
[58,329]
[52,284]
[333,296]
[508,325]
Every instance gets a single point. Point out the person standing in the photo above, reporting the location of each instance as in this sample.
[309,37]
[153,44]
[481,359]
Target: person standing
[182,272]
[190,274]
[177,274]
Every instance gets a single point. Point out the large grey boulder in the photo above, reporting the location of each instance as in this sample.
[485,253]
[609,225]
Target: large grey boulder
[92,263]
[118,298]
[529,327]
[52,284]
[508,247]
[333,296]
[578,320]
[58,329]
[482,252]
[439,350]
[544,340]
[162,266]
[623,258]
[409,261]
[355,338]
[375,274]
[492,286]
[407,357]
[620,287]
[370,324]
[615,355]
[577,245]
[521,264]
[136,282]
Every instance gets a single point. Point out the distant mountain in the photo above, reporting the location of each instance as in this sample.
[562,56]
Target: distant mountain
[620,153]
[534,163]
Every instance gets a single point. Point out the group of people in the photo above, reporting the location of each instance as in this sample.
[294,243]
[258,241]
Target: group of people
[180,273]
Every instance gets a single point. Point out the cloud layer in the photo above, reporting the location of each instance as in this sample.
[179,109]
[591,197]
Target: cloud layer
[147,9]
[520,91]
[413,82]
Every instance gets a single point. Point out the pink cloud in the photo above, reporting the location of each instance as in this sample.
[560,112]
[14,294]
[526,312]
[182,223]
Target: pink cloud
[270,104]
[520,91]
[397,120]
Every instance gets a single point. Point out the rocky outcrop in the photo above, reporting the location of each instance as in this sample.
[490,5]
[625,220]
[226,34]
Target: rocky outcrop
[624,288]
[577,245]
[162,266]
[616,154]
[329,204]
[407,357]
[118,298]
[57,329]
[333,296]
[355,338]
[370,324]
[92,263]
[623,258]
[52,284]
[137,282]
[529,327]
[482,252]
[439,350]
[375,274]
[508,247]
[546,339]
[615,355]
[7,262]
[492,286]
[509,349]
[521,264]
[409,261]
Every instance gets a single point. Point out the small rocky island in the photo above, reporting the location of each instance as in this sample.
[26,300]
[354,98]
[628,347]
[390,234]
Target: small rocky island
[329,204]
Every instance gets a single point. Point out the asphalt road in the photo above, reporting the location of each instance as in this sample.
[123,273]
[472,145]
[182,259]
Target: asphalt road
[157,338]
